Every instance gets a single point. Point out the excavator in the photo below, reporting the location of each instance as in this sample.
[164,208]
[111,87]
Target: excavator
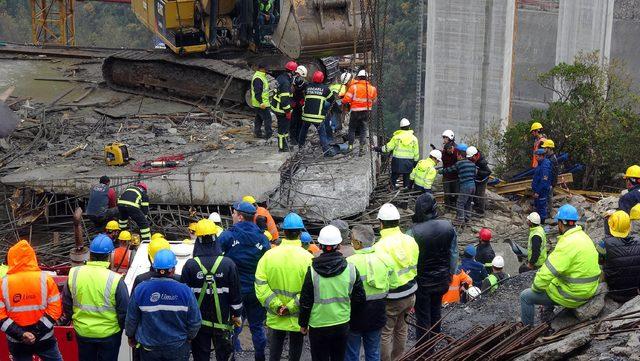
[211,46]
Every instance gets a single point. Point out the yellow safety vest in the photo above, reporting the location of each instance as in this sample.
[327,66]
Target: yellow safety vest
[403,251]
[424,173]
[332,298]
[3,270]
[404,145]
[260,76]
[375,272]
[538,231]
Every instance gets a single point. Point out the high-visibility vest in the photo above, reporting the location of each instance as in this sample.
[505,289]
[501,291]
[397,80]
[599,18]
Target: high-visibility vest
[3,270]
[360,96]
[25,296]
[493,283]
[375,273]
[280,97]
[424,173]
[265,7]
[260,76]
[338,89]
[403,145]
[403,251]
[332,298]
[571,273]
[279,277]
[132,197]
[93,290]
[315,103]
[120,259]
[209,287]
[538,231]
[453,294]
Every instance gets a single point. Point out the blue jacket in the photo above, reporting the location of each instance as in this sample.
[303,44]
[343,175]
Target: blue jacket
[542,178]
[629,200]
[163,313]
[474,269]
[245,244]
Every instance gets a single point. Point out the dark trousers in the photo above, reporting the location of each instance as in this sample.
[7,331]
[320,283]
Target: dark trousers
[421,189]
[255,314]
[99,349]
[329,343]
[138,217]
[47,350]
[463,203]
[428,310]
[322,134]
[406,181]
[100,220]
[180,353]
[479,202]
[450,187]
[201,345]
[283,132]
[294,126]
[263,117]
[358,127]
[276,344]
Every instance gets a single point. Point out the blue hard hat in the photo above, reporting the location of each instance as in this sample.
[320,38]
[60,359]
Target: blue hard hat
[292,221]
[101,244]
[462,147]
[540,151]
[244,207]
[567,213]
[470,250]
[305,237]
[164,259]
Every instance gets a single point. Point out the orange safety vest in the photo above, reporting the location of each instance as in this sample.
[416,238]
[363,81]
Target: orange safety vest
[536,146]
[121,254]
[453,295]
[361,96]
[271,224]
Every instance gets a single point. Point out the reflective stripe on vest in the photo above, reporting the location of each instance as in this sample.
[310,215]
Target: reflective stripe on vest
[538,231]
[362,262]
[209,285]
[493,281]
[265,89]
[137,203]
[276,106]
[331,297]
[38,307]
[577,280]
[314,117]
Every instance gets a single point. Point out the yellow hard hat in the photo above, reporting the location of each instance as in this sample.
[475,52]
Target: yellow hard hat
[268,235]
[112,226]
[249,199]
[193,226]
[619,224]
[188,241]
[635,212]
[157,235]
[548,143]
[633,172]
[124,236]
[155,245]
[535,126]
[205,227]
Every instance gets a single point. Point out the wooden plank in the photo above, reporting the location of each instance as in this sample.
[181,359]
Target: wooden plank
[515,187]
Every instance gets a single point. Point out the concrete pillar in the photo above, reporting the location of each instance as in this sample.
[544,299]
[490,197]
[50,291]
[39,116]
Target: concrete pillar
[468,67]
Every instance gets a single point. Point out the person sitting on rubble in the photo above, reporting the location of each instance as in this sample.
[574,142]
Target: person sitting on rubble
[620,257]
[460,283]
[570,275]
[265,19]
[470,266]
[484,251]
[497,275]
[101,206]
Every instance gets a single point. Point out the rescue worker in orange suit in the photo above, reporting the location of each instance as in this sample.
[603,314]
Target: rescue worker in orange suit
[29,307]
[538,139]
[459,282]
[134,204]
[281,104]
[359,99]
[263,219]
[317,100]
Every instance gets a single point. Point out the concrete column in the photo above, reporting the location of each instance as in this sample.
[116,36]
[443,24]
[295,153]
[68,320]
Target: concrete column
[468,67]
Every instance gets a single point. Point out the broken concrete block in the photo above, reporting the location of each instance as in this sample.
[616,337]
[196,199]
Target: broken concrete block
[632,305]
[594,306]
[559,350]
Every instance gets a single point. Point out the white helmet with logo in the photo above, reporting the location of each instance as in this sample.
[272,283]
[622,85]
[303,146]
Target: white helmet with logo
[302,71]
[449,134]
[345,77]
[362,73]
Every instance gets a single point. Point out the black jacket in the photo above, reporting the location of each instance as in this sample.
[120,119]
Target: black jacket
[131,195]
[327,265]
[483,171]
[485,254]
[282,98]
[622,267]
[313,105]
[226,279]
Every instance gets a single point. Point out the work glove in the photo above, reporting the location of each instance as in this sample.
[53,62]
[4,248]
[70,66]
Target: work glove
[433,147]
[287,115]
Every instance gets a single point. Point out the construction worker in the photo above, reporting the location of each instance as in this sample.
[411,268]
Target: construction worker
[96,299]
[213,278]
[367,321]
[635,220]
[265,17]
[154,247]
[466,171]
[281,104]
[279,277]
[437,242]
[112,230]
[536,243]
[359,100]
[244,243]
[317,99]
[102,206]
[424,173]
[215,218]
[570,275]
[460,283]
[538,138]
[541,184]
[260,103]
[403,252]
[134,204]
[484,251]
[263,218]
[299,87]
[449,159]
[163,316]
[331,288]
[632,197]
[470,266]
[339,89]
[405,152]
[482,179]
[307,243]
[29,307]
[620,258]
[122,254]
[493,281]
[549,147]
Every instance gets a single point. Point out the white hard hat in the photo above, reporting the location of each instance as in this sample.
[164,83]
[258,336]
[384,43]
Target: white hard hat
[345,77]
[449,134]
[471,151]
[498,262]
[534,218]
[436,154]
[362,73]
[474,292]
[404,122]
[215,217]
[388,212]
[302,71]
[330,236]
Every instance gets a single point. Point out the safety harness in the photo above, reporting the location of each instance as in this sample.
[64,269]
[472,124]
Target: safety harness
[209,285]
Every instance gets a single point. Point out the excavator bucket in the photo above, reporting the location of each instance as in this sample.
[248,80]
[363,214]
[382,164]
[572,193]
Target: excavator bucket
[321,28]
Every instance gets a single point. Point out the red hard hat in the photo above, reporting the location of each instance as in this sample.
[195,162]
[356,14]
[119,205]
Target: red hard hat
[143,185]
[291,66]
[318,77]
[485,234]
